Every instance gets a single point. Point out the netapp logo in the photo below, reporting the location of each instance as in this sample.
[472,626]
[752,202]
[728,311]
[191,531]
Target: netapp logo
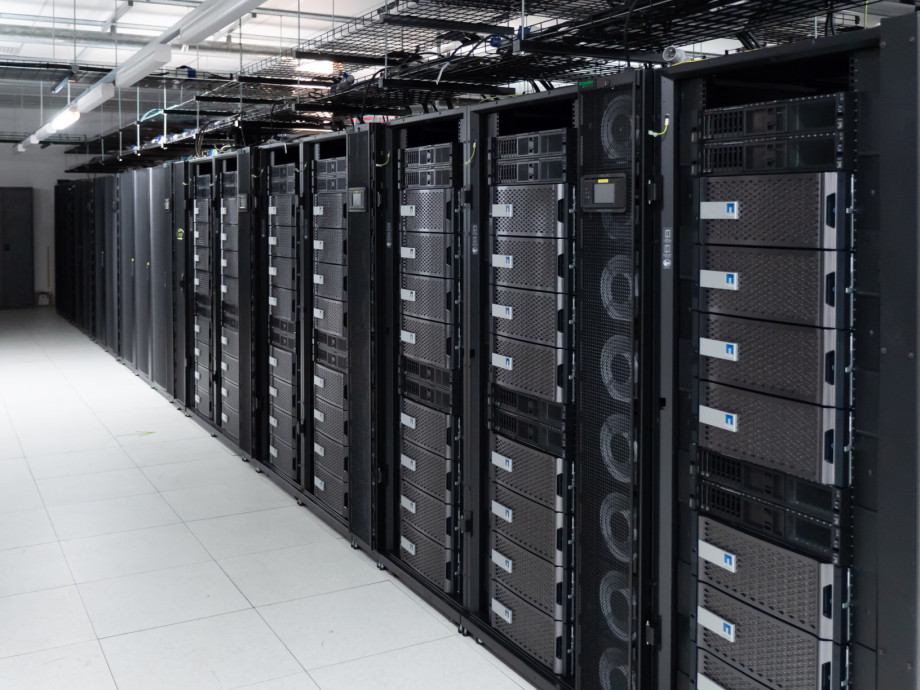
[729,348]
[730,420]
[730,208]
[728,629]
[729,278]
[729,560]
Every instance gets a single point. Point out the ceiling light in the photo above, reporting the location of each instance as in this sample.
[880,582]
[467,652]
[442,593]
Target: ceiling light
[33,139]
[65,119]
[141,64]
[211,16]
[316,66]
[94,97]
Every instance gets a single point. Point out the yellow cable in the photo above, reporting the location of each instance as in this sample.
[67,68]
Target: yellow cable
[667,123]
[472,155]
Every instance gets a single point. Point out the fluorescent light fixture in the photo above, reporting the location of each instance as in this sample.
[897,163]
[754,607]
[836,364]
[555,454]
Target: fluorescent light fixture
[95,96]
[33,139]
[211,16]
[21,148]
[316,66]
[142,63]
[65,119]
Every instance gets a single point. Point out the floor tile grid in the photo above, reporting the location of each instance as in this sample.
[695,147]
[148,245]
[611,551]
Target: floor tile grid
[493,662]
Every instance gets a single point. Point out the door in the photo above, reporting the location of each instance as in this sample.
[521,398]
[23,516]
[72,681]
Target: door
[16,253]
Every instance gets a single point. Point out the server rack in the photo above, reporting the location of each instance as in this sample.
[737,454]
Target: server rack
[99,259]
[140,206]
[281,352]
[161,278]
[109,227]
[127,268]
[205,317]
[328,370]
[182,247]
[232,287]
[773,415]
[423,242]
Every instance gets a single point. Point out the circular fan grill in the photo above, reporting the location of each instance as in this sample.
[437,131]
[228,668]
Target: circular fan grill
[616,367]
[616,603]
[616,526]
[617,129]
[617,288]
[617,447]
[614,670]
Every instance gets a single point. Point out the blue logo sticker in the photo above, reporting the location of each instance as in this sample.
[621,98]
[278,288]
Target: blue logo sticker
[507,361]
[729,278]
[730,419]
[727,628]
[507,311]
[729,349]
[729,559]
[508,260]
[729,208]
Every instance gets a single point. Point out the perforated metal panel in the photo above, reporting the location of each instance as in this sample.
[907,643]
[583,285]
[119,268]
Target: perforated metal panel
[282,211]
[534,369]
[281,393]
[230,236]
[428,298]
[425,556]
[776,284]
[230,264]
[329,316]
[427,210]
[531,473]
[330,420]
[330,385]
[532,263]
[775,210]
[717,671]
[333,245]
[428,341]
[537,528]
[427,254]
[533,579]
[538,634]
[332,214]
[798,362]
[543,318]
[329,280]
[281,364]
[331,455]
[431,516]
[537,210]
[282,241]
[772,579]
[230,369]
[283,304]
[428,428]
[283,273]
[426,470]
[283,179]
[331,491]
[771,651]
[284,457]
[803,440]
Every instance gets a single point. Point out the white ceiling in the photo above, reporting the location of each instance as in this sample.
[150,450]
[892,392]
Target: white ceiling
[144,19]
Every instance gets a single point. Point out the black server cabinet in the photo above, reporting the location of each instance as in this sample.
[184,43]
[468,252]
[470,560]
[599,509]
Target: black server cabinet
[282,344]
[127,268]
[181,290]
[142,271]
[109,220]
[202,261]
[62,193]
[424,175]
[788,335]
[100,211]
[327,374]
[161,277]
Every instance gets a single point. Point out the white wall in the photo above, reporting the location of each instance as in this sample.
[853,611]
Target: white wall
[40,169]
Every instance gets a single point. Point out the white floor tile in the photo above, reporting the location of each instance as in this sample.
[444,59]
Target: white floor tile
[299,682]
[271,577]
[14,471]
[188,475]
[175,595]
[448,664]
[351,624]
[42,620]
[127,553]
[226,651]
[167,452]
[75,667]
[18,496]
[83,488]
[114,515]
[33,568]
[25,528]
[37,443]
[227,499]
[80,462]
[264,530]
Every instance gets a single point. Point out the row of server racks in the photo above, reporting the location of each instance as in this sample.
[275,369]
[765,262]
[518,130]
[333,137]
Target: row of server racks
[621,378]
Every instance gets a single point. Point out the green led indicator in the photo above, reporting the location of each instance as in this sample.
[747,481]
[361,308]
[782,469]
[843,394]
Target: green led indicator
[584,84]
